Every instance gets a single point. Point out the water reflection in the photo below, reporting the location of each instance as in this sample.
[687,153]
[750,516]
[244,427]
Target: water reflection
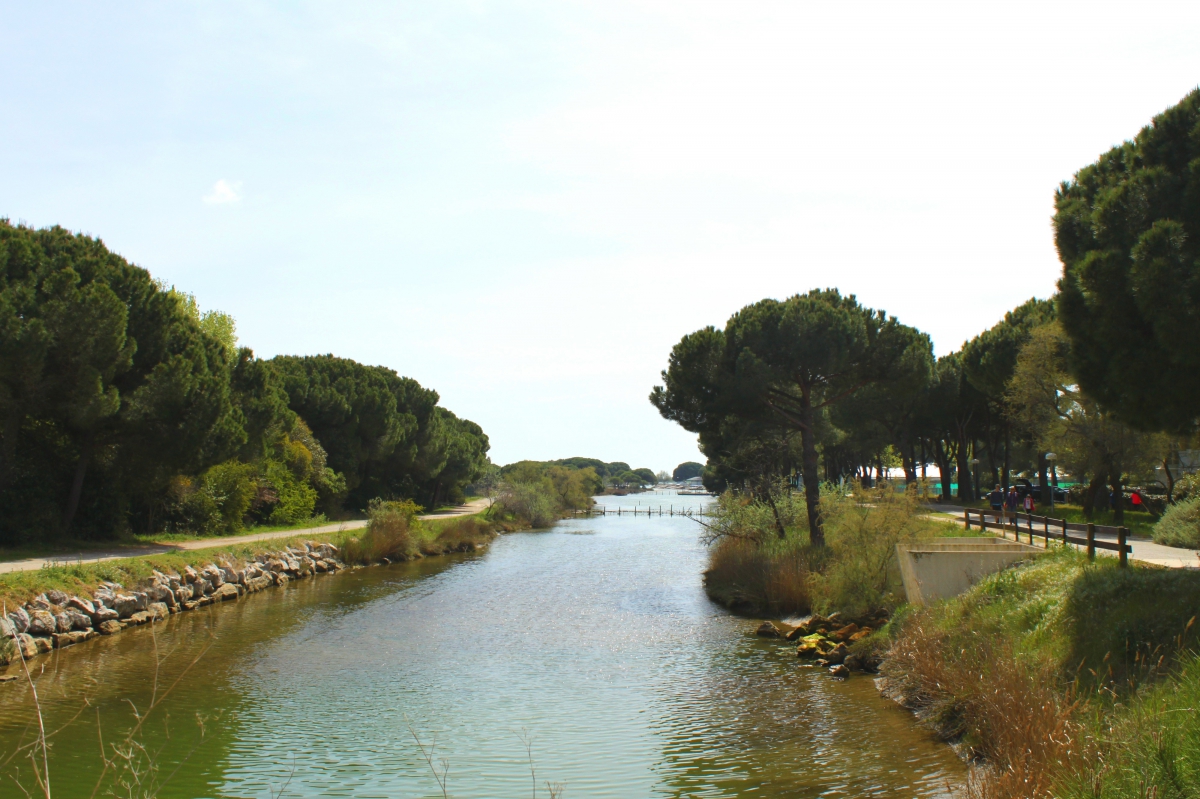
[596,637]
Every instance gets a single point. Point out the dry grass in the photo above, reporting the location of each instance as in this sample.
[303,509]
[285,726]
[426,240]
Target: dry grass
[744,575]
[464,534]
[1013,715]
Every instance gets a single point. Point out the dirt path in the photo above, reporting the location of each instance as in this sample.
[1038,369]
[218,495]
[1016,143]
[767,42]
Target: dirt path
[1143,549]
[98,555]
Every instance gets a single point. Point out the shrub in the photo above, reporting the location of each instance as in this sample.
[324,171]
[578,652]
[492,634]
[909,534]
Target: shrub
[771,577]
[458,535]
[862,529]
[1180,524]
[533,502]
[389,533]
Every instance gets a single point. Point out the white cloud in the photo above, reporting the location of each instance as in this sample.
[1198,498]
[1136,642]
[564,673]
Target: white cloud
[224,191]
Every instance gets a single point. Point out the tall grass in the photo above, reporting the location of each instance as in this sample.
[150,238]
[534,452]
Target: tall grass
[771,577]
[753,568]
[1066,678]
[389,534]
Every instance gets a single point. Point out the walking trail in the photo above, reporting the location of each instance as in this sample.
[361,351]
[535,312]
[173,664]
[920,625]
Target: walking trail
[98,555]
[1144,549]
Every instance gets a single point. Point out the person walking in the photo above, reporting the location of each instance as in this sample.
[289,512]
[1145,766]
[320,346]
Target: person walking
[996,500]
[1029,506]
[1012,501]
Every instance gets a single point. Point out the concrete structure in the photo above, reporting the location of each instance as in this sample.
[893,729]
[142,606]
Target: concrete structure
[946,567]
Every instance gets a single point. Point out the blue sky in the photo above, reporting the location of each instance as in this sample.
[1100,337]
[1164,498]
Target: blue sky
[524,205]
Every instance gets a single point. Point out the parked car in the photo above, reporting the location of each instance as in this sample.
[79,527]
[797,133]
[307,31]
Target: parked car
[1025,486]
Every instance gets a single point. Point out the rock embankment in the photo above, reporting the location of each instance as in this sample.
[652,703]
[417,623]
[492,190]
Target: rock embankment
[54,620]
[829,640]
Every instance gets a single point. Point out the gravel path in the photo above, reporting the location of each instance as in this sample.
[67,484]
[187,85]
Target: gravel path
[1144,549]
[98,555]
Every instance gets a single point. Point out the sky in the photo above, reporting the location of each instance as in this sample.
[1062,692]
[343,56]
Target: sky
[525,205]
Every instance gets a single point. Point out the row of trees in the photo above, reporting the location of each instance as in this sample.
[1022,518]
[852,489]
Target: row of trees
[123,407]
[1103,374]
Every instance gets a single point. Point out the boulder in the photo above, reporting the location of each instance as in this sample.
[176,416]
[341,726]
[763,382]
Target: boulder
[82,605]
[320,567]
[158,610]
[141,617]
[44,644]
[861,634]
[839,670]
[191,604]
[183,594]
[109,627]
[126,605]
[225,592]
[280,578]
[56,597]
[214,576]
[201,587]
[7,628]
[63,621]
[103,614]
[190,575]
[258,583]
[66,639]
[20,620]
[837,654]
[768,630]
[842,633]
[40,602]
[807,651]
[27,645]
[42,622]
[79,619]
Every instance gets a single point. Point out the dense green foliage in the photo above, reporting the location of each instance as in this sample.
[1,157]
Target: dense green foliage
[1127,229]
[780,366]
[687,470]
[607,474]
[124,408]
[1180,525]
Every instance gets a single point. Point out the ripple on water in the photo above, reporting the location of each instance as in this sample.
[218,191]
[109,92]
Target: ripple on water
[602,646]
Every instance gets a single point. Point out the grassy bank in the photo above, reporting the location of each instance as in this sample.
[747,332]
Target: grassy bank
[1066,678]
[755,569]
[358,547]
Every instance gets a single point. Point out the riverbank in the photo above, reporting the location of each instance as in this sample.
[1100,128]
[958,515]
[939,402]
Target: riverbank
[1062,677]
[59,606]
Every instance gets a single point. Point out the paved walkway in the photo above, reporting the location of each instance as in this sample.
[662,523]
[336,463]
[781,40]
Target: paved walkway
[98,555]
[1144,549]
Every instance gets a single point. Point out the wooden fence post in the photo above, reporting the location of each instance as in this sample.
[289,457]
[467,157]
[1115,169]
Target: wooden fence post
[966,519]
[1091,550]
[1064,521]
[1122,536]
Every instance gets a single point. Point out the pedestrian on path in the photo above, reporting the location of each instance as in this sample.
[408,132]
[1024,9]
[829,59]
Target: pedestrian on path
[996,498]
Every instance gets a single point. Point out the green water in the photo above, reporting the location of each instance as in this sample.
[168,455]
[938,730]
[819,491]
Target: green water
[595,637]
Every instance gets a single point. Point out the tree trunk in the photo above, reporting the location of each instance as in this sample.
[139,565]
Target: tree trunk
[1043,480]
[1089,496]
[1118,499]
[1007,447]
[85,456]
[812,483]
[1170,482]
[964,471]
[8,449]
[779,528]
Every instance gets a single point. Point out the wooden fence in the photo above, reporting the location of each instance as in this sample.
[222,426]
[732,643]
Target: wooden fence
[601,510]
[1051,530]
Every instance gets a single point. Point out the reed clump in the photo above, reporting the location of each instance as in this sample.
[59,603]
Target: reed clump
[1058,674]
[389,534]
[760,558]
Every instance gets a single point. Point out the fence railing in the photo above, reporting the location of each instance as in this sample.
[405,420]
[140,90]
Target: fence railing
[661,510]
[1052,530]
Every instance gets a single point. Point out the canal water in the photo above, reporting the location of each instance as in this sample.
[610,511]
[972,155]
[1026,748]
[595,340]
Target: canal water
[593,641]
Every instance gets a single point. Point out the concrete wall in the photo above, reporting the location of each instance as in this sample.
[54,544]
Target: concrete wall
[947,567]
